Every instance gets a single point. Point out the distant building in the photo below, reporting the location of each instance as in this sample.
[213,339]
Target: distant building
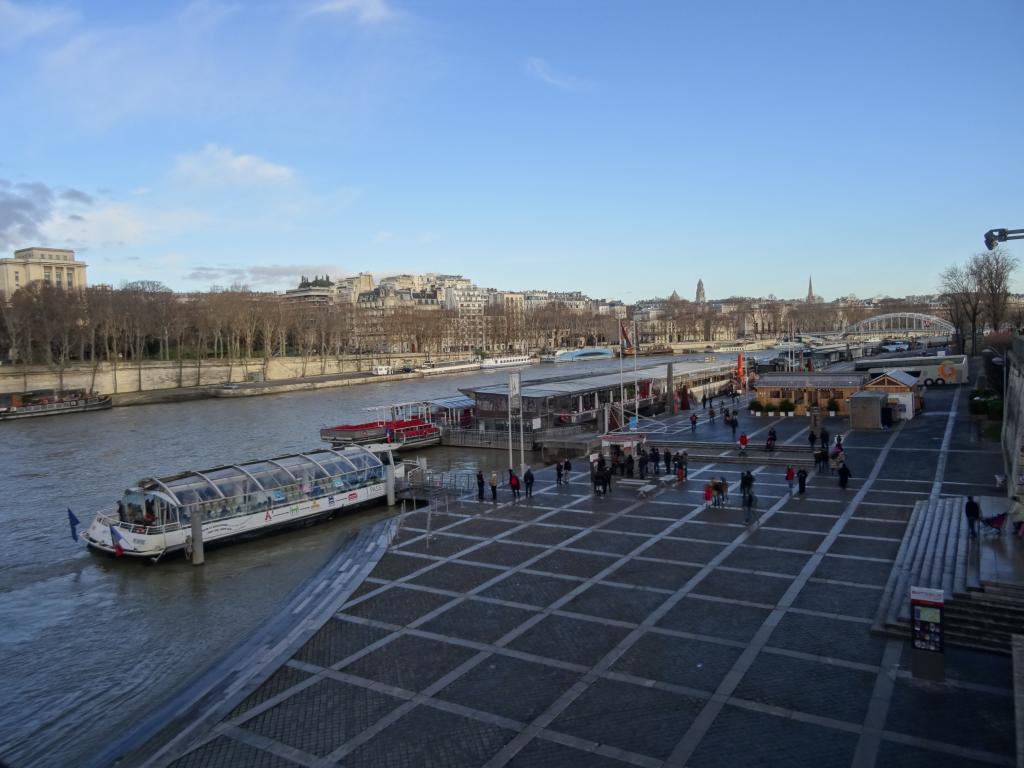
[51,266]
[700,292]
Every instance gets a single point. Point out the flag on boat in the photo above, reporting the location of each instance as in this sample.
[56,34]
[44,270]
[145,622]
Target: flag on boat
[118,540]
[74,524]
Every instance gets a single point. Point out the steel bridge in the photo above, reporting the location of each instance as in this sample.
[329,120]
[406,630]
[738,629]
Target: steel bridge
[902,324]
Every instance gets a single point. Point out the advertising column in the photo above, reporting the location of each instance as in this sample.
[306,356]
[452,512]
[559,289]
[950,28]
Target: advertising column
[926,657]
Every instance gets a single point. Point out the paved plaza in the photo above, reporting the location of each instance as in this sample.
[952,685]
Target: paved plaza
[577,630]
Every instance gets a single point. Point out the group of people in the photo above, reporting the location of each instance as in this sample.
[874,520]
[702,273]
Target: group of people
[645,462]
[515,484]
[731,419]
[831,457]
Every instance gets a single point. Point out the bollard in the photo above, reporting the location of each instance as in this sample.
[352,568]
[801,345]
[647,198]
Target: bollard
[198,557]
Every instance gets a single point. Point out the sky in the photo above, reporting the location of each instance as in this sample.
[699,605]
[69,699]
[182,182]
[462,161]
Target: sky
[623,149]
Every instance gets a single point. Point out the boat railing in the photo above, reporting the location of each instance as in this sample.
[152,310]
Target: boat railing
[133,527]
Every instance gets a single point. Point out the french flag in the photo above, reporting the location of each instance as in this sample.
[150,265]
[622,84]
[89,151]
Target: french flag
[118,540]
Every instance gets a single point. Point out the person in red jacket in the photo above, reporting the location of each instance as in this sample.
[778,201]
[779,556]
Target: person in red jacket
[790,477]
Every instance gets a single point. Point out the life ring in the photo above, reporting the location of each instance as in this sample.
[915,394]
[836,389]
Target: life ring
[947,371]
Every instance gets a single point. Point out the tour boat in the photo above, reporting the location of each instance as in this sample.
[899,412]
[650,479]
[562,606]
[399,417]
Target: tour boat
[577,355]
[401,431]
[506,361]
[49,402]
[449,366]
[154,517]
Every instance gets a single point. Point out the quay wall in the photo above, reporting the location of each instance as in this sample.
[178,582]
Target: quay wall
[1013,419]
[153,375]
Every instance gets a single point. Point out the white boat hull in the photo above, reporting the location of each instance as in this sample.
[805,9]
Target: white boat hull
[145,542]
[507,362]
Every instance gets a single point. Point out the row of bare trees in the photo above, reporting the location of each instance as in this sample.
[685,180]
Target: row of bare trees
[977,295]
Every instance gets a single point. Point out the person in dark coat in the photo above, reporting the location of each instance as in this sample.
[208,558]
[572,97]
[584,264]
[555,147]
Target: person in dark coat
[558,473]
[668,461]
[824,438]
[528,482]
[567,469]
[479,485]
[704,402]
[972,510]
[630,463]
[844,475]
[655,461]
[801,478]
[643,464]
[812,439]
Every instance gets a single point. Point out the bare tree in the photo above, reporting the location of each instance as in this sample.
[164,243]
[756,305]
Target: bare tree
[993,270]
[959,287]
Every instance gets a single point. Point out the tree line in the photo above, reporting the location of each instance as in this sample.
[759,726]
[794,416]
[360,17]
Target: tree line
[977,296]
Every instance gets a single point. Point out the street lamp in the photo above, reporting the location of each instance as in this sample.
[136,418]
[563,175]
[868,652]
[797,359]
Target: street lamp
[995,236]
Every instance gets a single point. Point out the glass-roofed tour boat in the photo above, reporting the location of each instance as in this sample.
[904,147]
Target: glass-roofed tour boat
[154,517]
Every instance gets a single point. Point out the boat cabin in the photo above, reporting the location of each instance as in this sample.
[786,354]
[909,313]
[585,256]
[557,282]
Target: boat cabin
[256,486]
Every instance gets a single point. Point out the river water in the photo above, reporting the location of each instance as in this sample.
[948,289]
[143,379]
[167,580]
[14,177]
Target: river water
[89,644]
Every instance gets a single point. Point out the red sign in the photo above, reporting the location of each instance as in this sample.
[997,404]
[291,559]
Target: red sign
[353,496]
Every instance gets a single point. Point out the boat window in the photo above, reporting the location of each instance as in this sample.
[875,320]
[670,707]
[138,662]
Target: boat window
[332,462]
[269,475]
[233,482]
[361,459]
[302,468]
[192,488]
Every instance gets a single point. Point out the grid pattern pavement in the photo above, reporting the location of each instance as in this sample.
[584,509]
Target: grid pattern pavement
[573,629]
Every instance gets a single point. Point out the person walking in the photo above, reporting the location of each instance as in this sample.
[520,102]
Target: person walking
[725,489]
[513,483]
[630,464]
[567,470]
[824,438]
[693,422]
[704,401]
[668,461]
[839,443]
[606,481]
[734,423]
[748,508]
[711,415]
[494,486]
[643,464]
[744,441]
[558,473]
[844,475]
[479,485]
[790,477]
[972,510]
[812,439]
[655,461]
[708,492]
[528,482]
[801,477]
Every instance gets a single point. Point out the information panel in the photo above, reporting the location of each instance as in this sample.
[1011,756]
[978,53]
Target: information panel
[926,607]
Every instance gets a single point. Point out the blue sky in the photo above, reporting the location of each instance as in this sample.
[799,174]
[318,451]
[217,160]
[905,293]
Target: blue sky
[619,148]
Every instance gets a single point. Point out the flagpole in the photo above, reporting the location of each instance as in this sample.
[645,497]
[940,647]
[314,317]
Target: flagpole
[622,387]
[636,384]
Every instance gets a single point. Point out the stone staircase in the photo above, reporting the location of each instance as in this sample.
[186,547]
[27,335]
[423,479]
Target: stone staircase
[937,553]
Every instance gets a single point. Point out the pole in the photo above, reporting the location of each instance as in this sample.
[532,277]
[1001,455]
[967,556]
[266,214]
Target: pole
[622,387]
[198,556]
[389,483]
[522,447]
[670,391]
[636,384]
[510,465]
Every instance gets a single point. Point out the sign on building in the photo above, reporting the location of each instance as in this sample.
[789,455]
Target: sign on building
[515,398]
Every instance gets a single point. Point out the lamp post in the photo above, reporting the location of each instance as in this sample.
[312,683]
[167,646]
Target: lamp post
[995,236]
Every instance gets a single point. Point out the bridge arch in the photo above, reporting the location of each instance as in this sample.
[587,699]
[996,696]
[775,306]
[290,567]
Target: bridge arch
[902,323]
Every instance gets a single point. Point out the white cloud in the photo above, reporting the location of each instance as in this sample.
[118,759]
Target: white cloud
[540,69]
[214,164]
[116,224]
[364,11]
[21,22]
[383,236]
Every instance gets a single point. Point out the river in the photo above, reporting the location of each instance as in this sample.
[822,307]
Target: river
[91,644]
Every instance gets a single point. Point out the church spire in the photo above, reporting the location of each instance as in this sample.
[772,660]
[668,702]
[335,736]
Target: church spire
[700,291]
[810,290]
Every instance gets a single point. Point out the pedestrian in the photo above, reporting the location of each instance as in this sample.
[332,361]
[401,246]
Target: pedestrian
[839,443]
[812,439]
[790,477]
[704,401]
[567,470]
[630,463]
[834,462]
[972,510]
[693,422]
[558,473]
[725,489]
[479,485]
[824,438]
[821,460]
[494,486]
[746,483]
[734,422]
[748,507]
[528,482]
[655,461]
[606,477]
[595,476]
[801,477]
[844,475]
[643,464]
[708,493]
[513,483]
[684,462]
[744,440]
[711,414]
[668,461]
